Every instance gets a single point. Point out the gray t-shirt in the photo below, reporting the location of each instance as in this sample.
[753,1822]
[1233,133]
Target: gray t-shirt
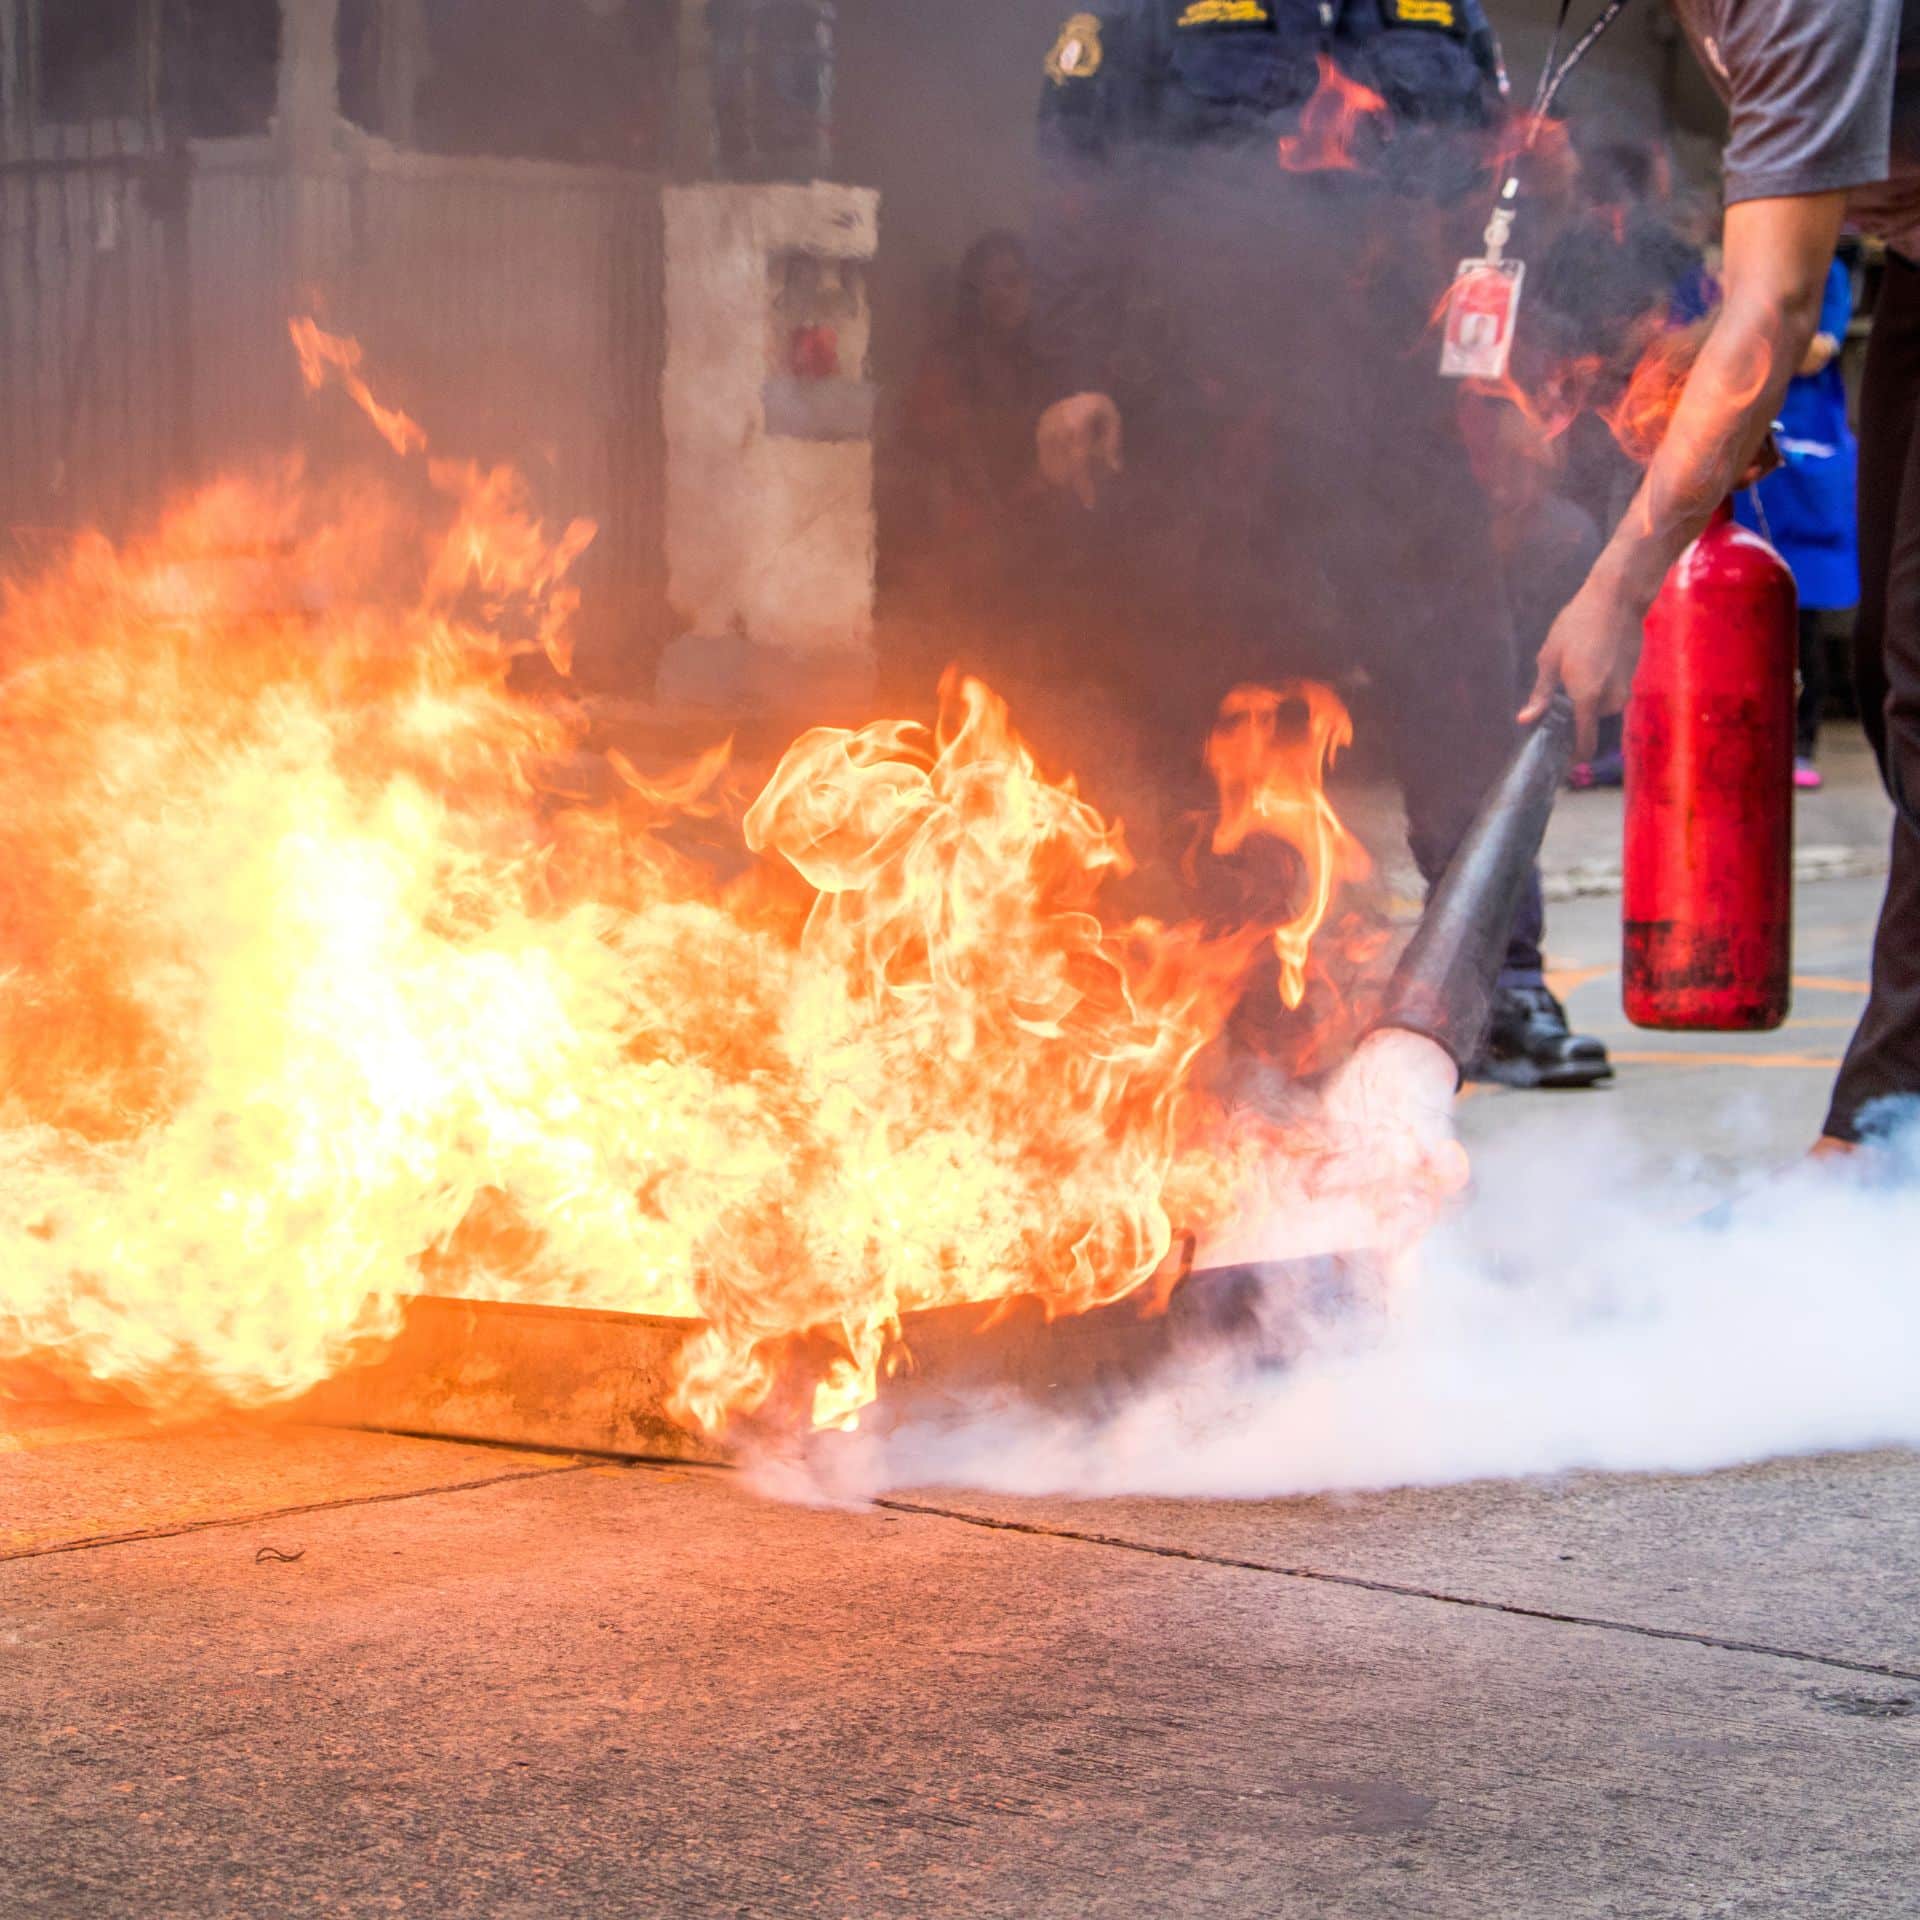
[1821,95]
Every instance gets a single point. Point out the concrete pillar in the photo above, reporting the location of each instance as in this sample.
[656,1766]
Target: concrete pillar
[307,125]
[308,107]
[769,426]
[13,63]
[693,137]
[405,60]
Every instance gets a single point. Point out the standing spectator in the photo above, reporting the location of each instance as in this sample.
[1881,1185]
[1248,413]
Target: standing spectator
[967,466]
[1809,507]
[976,396]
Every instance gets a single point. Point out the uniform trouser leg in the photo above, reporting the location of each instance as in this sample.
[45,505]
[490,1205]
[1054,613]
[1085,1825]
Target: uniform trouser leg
[1526,960]
[1884,1060]
[1448,711]
[1813,682]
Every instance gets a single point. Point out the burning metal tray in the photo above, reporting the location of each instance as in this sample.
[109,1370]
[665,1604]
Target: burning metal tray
[595,1382]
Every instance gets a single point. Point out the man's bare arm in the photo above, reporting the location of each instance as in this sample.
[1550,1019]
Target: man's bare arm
[1777,255]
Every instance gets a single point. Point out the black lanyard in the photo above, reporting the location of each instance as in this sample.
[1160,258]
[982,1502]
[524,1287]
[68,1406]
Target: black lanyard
[1553,76]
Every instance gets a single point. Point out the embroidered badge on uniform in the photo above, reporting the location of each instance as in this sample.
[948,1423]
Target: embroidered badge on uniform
[1226,13]
[1077,54]
[1423,13]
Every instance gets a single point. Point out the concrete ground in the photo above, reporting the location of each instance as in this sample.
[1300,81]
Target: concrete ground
[1736,1098]
[248,1671]
[1739,1097]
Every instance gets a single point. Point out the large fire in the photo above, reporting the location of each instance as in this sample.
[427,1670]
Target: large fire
[320,988]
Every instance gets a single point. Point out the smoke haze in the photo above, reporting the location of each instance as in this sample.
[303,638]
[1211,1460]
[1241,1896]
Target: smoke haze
[1579,1313]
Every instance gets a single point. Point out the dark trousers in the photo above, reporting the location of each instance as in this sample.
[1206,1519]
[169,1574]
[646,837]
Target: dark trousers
[1884,1060]
[1813,682]
[1449,722]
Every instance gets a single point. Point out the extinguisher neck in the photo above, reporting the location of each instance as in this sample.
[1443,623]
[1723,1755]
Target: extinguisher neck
[1723,513]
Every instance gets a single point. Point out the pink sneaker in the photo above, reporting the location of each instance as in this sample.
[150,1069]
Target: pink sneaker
[1807,777]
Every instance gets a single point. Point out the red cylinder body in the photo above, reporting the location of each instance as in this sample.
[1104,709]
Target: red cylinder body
[1709,833]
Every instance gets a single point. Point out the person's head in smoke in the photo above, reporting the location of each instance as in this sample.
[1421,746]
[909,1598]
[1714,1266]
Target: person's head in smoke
[993,295]
[1623,270]
[1618,264]
[1624,173]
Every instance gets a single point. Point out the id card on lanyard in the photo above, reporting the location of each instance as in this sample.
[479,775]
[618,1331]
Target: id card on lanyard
[1483,304]
[1477,340]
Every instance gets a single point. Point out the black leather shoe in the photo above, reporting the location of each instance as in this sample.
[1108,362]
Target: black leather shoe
[1529,1045]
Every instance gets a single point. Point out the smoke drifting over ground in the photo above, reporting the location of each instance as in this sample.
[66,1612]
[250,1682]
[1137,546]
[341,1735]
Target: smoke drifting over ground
[1580,1315]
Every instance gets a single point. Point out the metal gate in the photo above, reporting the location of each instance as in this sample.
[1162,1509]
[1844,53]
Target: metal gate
[96,392]
[514,307]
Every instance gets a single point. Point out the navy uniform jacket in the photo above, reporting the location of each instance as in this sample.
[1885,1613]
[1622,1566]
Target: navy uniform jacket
[1189,70]
[1158,125]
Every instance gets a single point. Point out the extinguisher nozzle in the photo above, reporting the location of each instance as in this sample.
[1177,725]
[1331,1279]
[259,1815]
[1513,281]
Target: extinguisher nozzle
[1444,985]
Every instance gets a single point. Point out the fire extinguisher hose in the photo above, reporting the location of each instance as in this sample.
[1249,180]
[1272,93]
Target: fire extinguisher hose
[1443,987]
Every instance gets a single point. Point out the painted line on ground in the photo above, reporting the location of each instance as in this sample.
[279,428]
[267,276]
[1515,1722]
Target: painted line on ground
[1812,1062]
[1566,980]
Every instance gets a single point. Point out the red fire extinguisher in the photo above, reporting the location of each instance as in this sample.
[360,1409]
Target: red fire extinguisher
[1709,751]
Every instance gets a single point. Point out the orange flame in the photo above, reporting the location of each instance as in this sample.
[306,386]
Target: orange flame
[1331,123]
[322,354]
[316,990]
[1270,754]
[1550,403]
[1640,417]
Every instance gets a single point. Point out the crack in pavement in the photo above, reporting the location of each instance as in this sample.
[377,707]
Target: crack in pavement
[1402,1590]
[171,1530]
[1033,1529]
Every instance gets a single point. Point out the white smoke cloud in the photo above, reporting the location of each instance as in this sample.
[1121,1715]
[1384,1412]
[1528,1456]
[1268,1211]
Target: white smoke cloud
[1579,1312]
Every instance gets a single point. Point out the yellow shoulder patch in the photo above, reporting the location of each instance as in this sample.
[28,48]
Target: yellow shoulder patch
[1225,13]
[1077,54]
[1425,13]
